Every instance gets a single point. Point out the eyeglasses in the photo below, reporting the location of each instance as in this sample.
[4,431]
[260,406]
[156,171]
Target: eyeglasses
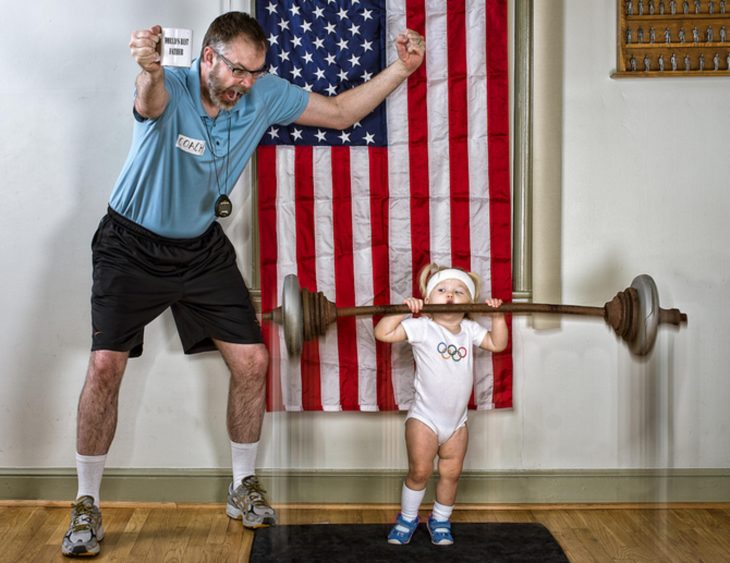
[241,71]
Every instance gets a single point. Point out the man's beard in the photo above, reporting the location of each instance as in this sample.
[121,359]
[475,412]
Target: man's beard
[220,96]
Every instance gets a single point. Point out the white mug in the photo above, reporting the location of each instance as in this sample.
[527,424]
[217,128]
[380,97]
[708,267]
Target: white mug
[176,46]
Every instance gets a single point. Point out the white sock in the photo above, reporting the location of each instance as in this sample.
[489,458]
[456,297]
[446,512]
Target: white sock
[441,512]
[243,460]
[410,501]
[89,471]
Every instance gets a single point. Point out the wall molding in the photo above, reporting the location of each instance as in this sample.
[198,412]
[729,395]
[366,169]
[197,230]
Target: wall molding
[368,486]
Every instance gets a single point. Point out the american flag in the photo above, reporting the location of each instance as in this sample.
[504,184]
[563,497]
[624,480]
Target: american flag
[355,214]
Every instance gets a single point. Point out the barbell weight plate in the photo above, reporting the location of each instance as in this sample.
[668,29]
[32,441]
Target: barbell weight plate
[639,308]
[291,306]
[648,315]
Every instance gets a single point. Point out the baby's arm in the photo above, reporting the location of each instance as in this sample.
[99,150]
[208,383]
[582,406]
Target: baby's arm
[389,328]
[496,339]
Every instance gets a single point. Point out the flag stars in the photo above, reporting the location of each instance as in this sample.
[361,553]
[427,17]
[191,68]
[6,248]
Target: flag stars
[344,137]
[327,47]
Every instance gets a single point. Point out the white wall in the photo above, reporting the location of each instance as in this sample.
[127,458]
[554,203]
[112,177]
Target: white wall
[644,189]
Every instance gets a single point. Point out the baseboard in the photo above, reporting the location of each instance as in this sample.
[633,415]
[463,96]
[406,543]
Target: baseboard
[362,487]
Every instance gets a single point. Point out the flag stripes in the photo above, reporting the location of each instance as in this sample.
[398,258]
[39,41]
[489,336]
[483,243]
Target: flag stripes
[357,222]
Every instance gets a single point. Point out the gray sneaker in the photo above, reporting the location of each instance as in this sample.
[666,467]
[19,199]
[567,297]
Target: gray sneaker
[85,531]
[248,503]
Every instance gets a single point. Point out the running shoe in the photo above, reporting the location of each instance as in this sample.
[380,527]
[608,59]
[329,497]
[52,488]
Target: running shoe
[248,503]
[85,531]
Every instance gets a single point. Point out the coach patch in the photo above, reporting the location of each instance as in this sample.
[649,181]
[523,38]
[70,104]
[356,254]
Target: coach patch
[193,146]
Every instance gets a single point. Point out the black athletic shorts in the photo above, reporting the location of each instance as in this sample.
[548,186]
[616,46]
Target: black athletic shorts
[138,274]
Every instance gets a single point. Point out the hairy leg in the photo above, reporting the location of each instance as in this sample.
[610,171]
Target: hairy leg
[451,461]
[97,412]
[422,446]
[247,390]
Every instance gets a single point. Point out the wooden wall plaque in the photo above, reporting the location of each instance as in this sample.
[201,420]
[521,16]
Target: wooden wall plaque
[673,38]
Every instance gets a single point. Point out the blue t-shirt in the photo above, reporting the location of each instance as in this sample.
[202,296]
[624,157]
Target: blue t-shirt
[176,168]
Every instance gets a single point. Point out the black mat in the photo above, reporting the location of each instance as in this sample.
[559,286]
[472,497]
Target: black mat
[336,543]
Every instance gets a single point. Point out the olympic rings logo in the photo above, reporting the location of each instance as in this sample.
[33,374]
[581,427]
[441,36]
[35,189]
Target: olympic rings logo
[451,351]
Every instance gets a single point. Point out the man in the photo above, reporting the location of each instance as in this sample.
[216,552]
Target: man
[160,245]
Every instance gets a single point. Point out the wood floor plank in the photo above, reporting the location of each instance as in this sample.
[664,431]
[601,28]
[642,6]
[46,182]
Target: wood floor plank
[219,528]
[153,531]
[515,516]
[588,542]
[556,521]
[632,545]
[121,538]
[183,524]
[377,516]
[204,534]
[477,516]
[238,541]
[22,544]
[611,536]
[115,522]
[43,531]
[714,545]
[574,548]
[12,519]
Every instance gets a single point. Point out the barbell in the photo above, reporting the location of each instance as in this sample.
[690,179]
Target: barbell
[634,313]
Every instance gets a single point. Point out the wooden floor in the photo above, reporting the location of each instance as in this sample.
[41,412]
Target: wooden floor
[31,531]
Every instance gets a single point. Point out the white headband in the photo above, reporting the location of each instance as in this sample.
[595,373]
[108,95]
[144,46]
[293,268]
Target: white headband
[451,274]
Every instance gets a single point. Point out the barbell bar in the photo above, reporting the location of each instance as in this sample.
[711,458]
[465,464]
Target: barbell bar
[634,313]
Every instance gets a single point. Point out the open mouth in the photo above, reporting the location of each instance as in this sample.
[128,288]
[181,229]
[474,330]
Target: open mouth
[232,95]
[228,98]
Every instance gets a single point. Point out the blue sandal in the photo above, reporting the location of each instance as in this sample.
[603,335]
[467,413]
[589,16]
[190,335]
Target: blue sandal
[403,530]
[440,531]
